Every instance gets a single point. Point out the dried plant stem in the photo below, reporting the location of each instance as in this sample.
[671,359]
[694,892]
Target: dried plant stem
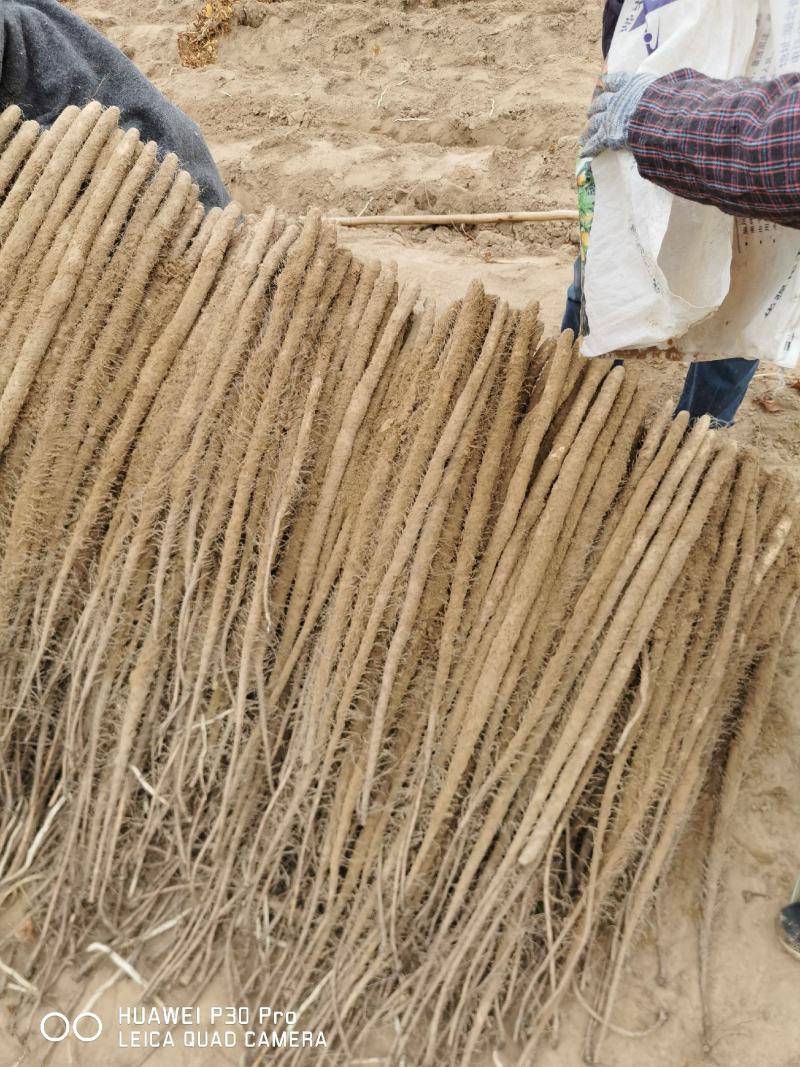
[377,656]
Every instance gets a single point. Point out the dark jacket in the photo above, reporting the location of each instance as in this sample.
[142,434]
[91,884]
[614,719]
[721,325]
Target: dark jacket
[732,143]
[611,15]
[50,58]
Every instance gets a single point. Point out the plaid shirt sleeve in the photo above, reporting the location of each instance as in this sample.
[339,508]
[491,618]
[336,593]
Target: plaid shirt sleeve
[733,144]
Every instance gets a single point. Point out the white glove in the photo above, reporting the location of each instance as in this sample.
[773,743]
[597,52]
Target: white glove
[611,112]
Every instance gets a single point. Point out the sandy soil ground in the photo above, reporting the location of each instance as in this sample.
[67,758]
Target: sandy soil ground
[450,105]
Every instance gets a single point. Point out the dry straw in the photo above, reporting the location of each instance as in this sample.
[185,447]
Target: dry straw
[380,656]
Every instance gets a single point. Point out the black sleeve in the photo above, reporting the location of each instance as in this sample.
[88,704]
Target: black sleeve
[50,58]
[611,14]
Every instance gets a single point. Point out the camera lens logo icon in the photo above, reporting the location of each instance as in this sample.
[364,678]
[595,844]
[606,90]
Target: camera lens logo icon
[61,1027]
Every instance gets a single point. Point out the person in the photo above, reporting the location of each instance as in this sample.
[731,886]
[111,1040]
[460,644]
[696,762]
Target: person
[572,311]
[733,144]
[716,388]
[50,58]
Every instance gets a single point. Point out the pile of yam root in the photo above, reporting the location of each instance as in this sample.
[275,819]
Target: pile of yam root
[375,655]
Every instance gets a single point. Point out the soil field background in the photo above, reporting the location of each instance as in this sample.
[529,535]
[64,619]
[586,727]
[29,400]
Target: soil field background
[474,105]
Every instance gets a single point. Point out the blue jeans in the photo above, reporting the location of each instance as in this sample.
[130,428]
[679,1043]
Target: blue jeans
[716,389]
[572,312]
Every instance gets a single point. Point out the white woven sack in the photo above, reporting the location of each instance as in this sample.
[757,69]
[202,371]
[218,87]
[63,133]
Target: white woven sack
[664,271]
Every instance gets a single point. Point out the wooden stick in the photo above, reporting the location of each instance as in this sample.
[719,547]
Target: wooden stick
[562,215]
